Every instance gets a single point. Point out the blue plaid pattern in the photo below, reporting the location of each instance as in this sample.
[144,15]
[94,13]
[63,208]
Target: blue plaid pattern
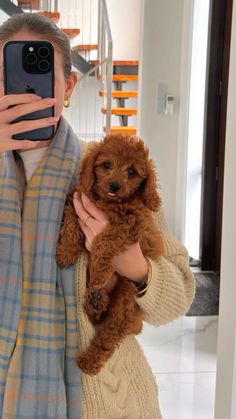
[39,377]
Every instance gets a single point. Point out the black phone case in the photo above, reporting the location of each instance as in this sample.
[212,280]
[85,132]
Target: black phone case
[17,79]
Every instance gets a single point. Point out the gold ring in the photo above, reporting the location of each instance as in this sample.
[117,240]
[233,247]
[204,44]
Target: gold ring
[86,218]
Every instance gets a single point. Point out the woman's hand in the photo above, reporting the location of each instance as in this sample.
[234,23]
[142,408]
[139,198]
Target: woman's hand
[96,221]
[22,104]
[131,264]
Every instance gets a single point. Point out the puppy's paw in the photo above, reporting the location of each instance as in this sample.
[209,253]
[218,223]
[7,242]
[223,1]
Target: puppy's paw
[96,305]
[88,363]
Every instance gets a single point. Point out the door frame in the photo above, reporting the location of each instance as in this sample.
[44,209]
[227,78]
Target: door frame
[215,127]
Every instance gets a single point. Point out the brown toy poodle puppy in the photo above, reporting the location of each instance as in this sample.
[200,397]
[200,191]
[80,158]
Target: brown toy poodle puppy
[117,175]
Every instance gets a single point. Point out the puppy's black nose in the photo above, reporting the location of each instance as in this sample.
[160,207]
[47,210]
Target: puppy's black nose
[114,187]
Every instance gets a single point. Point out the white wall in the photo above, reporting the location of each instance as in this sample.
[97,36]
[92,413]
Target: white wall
[125,21]
[166,30]
[196,126]
[182,152]
[225,404]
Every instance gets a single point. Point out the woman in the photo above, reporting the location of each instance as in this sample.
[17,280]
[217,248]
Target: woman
[42,321]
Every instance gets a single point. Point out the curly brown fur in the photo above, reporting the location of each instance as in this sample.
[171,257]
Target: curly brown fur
[124,318]
[118,176]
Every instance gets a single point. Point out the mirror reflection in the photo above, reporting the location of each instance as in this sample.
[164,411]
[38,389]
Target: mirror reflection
[112,248]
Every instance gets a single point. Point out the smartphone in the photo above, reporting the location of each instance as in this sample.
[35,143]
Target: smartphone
[29,68]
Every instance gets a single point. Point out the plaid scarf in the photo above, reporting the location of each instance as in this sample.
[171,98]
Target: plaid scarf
[39,377]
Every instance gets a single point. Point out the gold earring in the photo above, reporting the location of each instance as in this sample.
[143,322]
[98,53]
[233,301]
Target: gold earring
[67,102]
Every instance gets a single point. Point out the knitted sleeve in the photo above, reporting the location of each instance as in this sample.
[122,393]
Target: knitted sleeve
[172,287]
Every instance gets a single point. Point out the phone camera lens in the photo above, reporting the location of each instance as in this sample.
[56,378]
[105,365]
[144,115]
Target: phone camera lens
[43,52]
[43,65]
[31,58]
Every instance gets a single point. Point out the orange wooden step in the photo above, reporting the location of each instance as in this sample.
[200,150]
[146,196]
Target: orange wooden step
[120,63]
[54,16]
[71,32]
[123,77]
[94,62]
[120,93]
[85,47]
[123,130]
[121,111]
[129,63]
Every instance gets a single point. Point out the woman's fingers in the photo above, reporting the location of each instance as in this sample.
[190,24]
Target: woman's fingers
[87,224]
[91,220]
[16,99]
[83,215]
[24,126]
[89,235]
[13,106]
[84,207]
[20,110]
[11,145]
[91,208]
[7,131]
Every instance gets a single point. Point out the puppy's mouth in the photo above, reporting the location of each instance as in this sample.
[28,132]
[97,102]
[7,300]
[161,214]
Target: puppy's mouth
[112,194]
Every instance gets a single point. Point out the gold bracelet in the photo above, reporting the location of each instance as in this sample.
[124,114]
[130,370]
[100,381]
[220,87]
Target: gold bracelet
[140,286]
[142,291]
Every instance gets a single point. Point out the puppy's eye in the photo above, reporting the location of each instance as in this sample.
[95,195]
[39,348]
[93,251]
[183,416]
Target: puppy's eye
[131,172]
[107,165]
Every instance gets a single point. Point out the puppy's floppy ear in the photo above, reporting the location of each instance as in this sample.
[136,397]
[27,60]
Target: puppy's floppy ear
[87,173]
[149,194]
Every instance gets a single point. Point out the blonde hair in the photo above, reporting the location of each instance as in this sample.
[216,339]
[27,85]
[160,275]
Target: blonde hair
[42,26]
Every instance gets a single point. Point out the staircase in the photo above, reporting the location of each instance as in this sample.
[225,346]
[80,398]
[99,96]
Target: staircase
[121,77]
[113,82]
[123,72]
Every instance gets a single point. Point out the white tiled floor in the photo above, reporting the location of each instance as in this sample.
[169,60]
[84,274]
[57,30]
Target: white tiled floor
[182,355]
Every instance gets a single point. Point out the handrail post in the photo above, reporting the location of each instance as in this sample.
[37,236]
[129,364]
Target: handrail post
[55,5]
[107,69]
[109,88]
[99,31]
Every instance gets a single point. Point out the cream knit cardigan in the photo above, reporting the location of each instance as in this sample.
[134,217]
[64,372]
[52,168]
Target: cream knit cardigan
[126,388]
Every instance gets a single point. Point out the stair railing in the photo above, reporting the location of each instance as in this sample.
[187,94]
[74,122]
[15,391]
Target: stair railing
[105,48]
[94,88]
[86,15]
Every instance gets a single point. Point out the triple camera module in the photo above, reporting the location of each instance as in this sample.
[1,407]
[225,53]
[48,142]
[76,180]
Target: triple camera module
[37,58]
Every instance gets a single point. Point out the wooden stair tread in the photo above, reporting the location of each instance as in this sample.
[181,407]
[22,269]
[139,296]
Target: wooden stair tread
[124,130]
[71,32]
[121,111]
[85,47]
[124,77]
[124,63]
[120,63]
[120,93]
[54,16]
